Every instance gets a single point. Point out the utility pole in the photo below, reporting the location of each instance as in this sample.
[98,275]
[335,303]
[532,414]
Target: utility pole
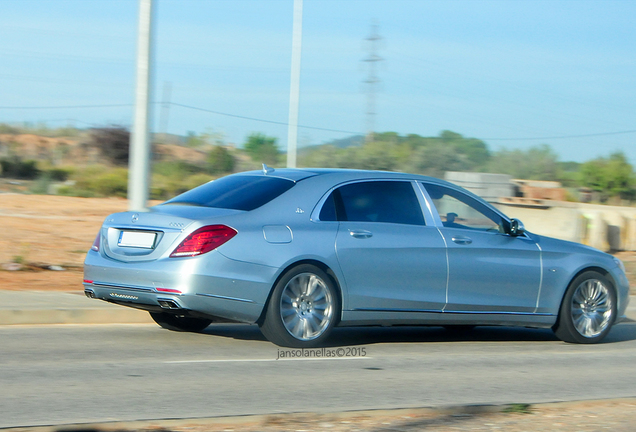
[372,80]
[139,163]
[294,88]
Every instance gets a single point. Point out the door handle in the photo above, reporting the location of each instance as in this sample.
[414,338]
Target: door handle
[462,240]
[360,234]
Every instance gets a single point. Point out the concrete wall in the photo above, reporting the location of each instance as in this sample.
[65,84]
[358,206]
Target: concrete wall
[488,186]
[608,228]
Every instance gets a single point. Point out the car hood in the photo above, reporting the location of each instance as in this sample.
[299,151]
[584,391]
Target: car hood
[557,245]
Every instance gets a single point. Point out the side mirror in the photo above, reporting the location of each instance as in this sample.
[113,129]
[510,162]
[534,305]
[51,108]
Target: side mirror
[516,228]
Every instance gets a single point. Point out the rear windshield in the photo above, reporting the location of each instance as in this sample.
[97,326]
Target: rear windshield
[235,192]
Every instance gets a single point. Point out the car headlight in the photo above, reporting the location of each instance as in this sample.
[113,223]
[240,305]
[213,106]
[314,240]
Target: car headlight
[620,264]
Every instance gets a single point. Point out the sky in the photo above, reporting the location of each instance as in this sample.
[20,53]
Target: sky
[514,73]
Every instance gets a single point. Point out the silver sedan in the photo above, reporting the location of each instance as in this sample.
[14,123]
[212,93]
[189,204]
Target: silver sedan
[300,251]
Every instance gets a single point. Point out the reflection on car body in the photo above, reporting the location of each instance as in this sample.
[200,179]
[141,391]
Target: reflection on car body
[299,251]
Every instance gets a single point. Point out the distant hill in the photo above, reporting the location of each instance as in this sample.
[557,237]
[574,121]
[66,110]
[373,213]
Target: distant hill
[352,141]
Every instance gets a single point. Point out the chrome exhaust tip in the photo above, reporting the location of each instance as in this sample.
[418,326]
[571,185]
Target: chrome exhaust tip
[168,304]
[90,293]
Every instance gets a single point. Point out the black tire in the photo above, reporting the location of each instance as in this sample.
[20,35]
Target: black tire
[303,308]
[180,323]
[588,310]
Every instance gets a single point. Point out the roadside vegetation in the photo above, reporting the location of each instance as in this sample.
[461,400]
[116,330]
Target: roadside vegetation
[94,162]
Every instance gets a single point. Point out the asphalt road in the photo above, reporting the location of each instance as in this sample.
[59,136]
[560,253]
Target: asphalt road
[74,374]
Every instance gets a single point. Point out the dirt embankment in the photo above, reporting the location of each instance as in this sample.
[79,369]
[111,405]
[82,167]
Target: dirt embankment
[40,231]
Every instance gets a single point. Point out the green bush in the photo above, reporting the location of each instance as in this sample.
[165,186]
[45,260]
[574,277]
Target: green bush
[262,149]
[196,180]
[58,174]
[8,129]
[220,160]
[15,167]
[97,180]
[165,187]
[113,183]
[113,143]
[176,169]
[41,185]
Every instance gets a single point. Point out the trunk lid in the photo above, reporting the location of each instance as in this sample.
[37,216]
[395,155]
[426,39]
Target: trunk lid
[147,236]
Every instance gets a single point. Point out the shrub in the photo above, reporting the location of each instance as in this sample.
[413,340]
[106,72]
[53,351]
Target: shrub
[113,143]
[59,174]
[220,160]
[178,168]
[14,167]
[113,183]
[165,187]
[262,149]
[97,180]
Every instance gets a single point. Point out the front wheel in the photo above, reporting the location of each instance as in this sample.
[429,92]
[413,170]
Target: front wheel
[303,308]
[180,323]
[588,309]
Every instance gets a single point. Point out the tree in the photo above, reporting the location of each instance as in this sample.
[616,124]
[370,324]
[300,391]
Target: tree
[220,160]
[204,140]
[435,160]
[193,140]
[113,142]
[15,167]
[536,163]
[262,148]
[613,176]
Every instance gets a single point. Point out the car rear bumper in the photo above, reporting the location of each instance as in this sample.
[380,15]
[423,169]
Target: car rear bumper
[218,288]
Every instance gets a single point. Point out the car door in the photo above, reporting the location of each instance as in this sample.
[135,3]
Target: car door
[489,270]
[390,258]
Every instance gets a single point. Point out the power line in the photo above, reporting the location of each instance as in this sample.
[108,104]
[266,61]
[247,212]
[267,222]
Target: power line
[262,120]
[625,132]
[65,106]
[182,106]
[561,136]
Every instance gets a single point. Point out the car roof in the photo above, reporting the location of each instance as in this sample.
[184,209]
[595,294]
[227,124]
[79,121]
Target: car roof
[338,174]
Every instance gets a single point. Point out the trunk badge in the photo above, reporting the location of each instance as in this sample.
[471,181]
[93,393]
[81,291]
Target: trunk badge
[135,217]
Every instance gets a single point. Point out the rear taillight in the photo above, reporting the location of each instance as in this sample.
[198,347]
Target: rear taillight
[97,241]
[203,240]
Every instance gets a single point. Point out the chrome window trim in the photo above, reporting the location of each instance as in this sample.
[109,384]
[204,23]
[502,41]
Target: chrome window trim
[450,312]
[541,277]
[226,298]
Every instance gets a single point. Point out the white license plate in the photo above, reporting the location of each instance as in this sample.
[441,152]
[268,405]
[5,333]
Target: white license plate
[137,239]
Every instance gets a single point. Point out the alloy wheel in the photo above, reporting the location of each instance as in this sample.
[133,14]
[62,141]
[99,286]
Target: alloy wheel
[306,306]
[591,308]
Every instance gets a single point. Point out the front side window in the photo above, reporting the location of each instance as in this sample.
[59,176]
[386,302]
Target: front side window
[374,201]
[458,210]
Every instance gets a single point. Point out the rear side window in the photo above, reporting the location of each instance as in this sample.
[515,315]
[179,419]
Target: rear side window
[235,192]
[374,201]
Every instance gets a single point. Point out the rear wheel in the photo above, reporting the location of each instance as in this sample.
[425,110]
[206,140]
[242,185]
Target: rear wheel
[588,309]
[303,309]
[179,322]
